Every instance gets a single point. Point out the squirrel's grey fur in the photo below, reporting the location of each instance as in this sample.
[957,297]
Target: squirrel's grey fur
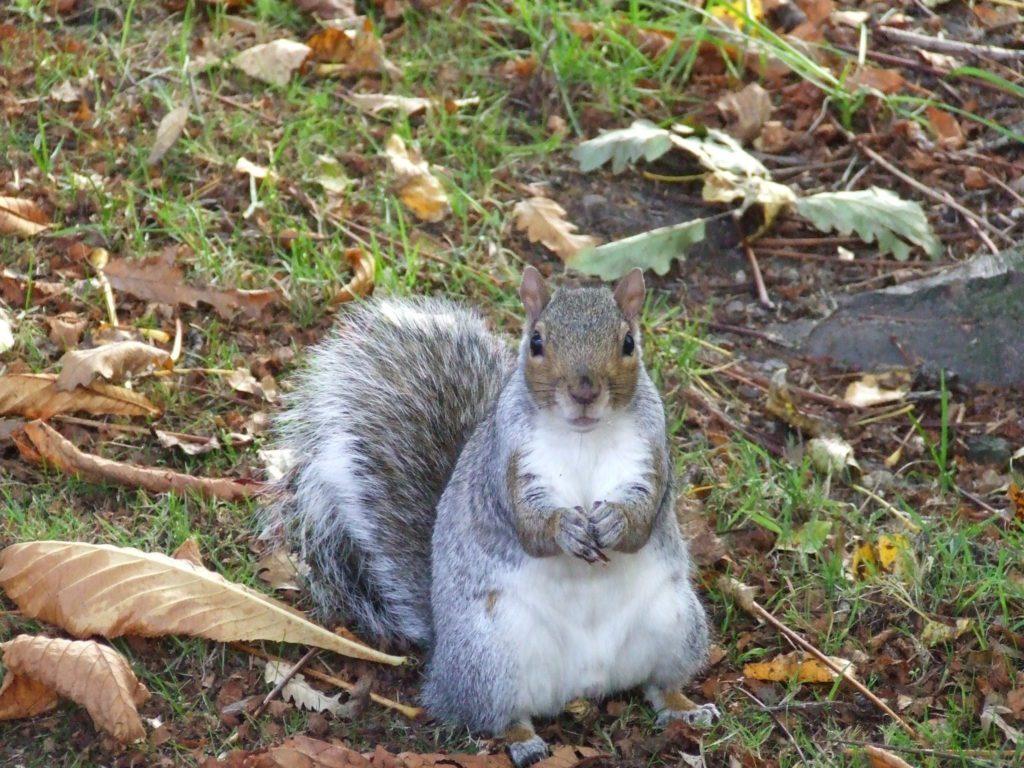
[407,426]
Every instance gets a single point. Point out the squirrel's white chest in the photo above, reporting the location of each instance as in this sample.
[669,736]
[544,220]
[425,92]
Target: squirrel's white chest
[581,468]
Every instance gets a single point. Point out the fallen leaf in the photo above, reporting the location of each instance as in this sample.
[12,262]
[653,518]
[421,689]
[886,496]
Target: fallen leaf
[867,392]
[114,362]
[781,404]
[543,221]
[889,554]
[66,329]
[1016,495]
[830,454]
[248,167]
[362,282]
[328,9]
[159,279]
[624,147]
[800,666]
[22,218]
[23,696]
[36,396]
[273,62]
[90,674]
[375,103]
[946,127]
[747,110]
[883,758]
[280,570]
[347,52]
[416,186]
[170,128]
[654,250]
[936,632]
[941,61]
[98,589]
[884,81]
[874,214]
[42,443]
[189,552]
[809,538]
[241,380]
[998,17]
[992,712]
[301,693]
[192,445]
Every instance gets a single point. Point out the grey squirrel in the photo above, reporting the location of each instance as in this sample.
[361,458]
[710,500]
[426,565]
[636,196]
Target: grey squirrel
[511,511]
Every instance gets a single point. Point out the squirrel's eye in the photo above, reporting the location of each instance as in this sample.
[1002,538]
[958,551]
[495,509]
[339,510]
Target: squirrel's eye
[628,345]
[536,344]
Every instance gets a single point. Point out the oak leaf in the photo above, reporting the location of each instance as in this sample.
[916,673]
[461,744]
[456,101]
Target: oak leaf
[98,589]
[22,218]
[543,220]
[158,278]
[93,675]
[113,362]
[417,187]
[42,443]
[37,396]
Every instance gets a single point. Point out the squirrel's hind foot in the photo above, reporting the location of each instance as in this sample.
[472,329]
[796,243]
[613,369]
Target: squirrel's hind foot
[700,717]
[525,747]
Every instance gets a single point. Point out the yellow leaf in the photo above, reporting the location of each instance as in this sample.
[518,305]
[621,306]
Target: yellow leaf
[797,666]
[417,187]
[93,675]
[736,12]
[543,220]
[98,589]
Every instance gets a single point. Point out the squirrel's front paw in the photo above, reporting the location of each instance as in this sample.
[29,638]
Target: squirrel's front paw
[528,752]
[574,536]
[607,524]
[699,717]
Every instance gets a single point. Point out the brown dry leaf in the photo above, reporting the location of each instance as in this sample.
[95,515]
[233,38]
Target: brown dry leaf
[280,570]
[328,9]
[799,665]
[868,391]
[417,187]
[170,128]
[1016,496]
[98,589]
[190,445]
[93,675]
[66,329]
[747,111]
[375,103]
[348,52]
[882,80]
[361,284]
[42,443]
[22,218]
[115,362]
[997,17]
[22,696]
[519,68]
[36,396]
[241,380]
[543,220]
[160,279]
[883,758]
[273,62]
[946,128]
[189,552]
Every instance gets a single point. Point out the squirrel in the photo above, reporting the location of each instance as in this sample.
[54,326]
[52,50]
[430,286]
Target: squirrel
[510,510]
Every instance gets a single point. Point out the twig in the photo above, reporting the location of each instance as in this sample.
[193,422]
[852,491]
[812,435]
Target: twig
[778,722]
[743,595]
[285,679]
[942,45]
[755,268]
[936,195]
[979,501]
[410,712]
[704,402]
[997,756]
[899,513]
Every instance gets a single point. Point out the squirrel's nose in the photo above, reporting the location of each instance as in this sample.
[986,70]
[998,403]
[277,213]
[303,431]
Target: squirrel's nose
[584,392]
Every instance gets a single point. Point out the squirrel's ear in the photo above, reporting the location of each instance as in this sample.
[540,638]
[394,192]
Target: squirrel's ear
[629,294]
[534,293]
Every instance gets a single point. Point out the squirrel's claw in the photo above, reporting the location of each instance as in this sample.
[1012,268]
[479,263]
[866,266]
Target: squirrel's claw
[574,536]
[528,752]
[607,524]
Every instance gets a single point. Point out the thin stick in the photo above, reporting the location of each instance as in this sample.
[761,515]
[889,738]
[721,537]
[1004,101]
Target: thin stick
[992,756]
[743,595]
[778,721]
[762,290]
[410,712]
[950,46]
[285,679]
[899,513]
[936,195]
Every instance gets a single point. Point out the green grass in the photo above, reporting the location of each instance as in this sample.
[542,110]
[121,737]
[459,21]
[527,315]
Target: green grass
[135,72]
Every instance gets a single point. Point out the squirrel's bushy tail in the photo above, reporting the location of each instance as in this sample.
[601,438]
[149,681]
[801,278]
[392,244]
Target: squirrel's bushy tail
[375,424]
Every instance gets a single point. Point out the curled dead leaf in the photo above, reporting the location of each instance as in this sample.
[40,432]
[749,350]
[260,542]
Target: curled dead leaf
[113,362]
[543,220]
[348,52]
[22,218]
[273,62]
[93,675]
[42,443]
[23,696]
[361,284]
[171,127]
[98,589]
[417,187]
[747,111]
[883,758]
[37,396]
[799,666]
